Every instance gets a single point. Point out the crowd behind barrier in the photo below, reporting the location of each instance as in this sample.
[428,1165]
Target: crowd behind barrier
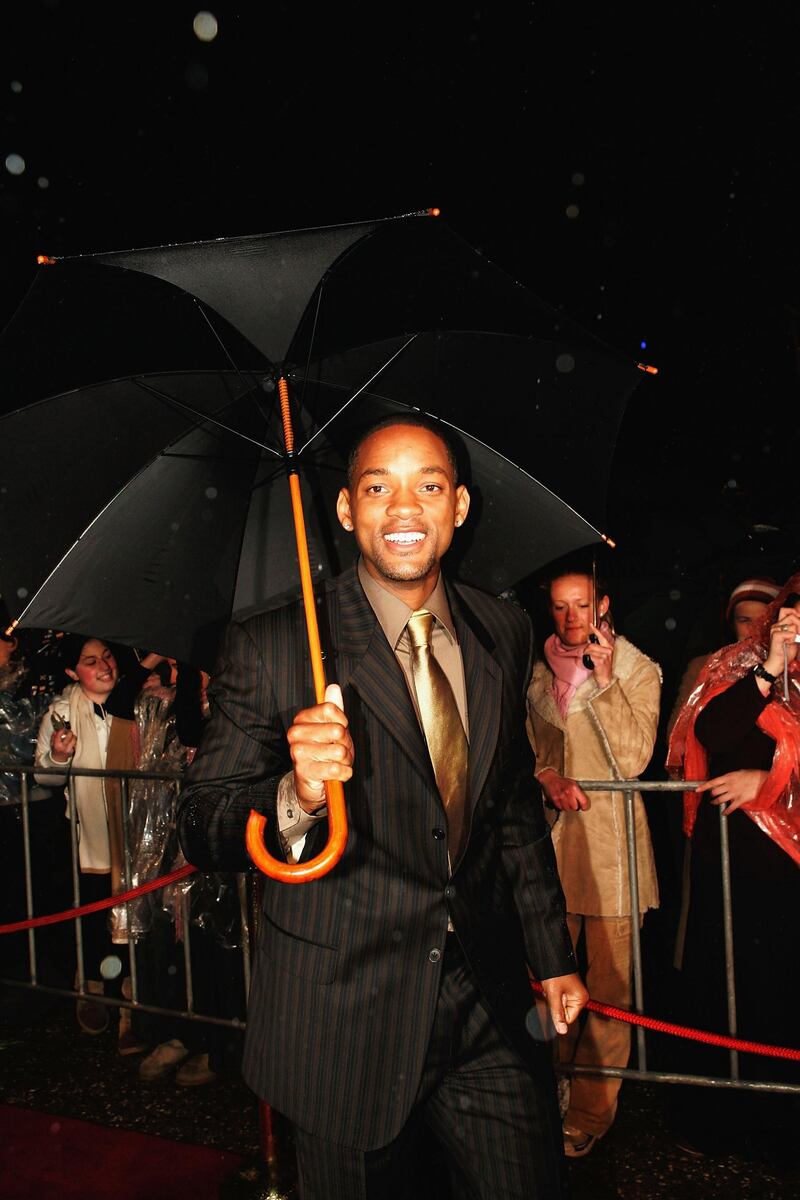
[23,909]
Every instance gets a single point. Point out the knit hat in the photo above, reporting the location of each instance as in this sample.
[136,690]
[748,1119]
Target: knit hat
[764,590]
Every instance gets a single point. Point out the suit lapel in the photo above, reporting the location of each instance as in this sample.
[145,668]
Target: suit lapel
[484,682]
[366,662]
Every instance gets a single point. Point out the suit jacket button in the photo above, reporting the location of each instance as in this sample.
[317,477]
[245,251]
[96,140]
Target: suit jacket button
[438,832]
[435,954]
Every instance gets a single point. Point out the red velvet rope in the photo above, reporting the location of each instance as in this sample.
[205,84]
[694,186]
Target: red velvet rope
[98,905]
[605,1010]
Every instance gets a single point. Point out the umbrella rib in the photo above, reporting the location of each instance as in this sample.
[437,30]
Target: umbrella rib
[226,352]
[203,418]
[357,393]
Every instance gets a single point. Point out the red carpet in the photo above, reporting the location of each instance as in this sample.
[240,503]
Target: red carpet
[46,1157]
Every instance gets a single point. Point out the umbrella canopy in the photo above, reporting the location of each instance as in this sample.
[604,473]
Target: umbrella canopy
[202,528]
[151,510]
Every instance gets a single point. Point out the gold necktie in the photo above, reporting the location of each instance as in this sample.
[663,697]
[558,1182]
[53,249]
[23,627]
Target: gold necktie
[441,724]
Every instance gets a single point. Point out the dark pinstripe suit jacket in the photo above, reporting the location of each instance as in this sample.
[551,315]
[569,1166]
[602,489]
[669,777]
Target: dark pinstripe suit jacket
[347,970]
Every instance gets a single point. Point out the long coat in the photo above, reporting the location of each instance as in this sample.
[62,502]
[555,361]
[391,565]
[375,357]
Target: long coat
[348,967]
[608,733]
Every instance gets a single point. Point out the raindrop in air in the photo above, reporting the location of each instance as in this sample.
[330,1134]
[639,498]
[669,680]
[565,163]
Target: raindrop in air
[670,623]
[675,594]
[43,182]
[111,967]
[205,26]
[16,86]
[211,493]
[15,164]
[578,178]
[572,211]
[565,363]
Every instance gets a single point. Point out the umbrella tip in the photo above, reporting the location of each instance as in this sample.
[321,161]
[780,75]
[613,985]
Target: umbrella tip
[44,260]
[647,368]
[609,541]
[434,212]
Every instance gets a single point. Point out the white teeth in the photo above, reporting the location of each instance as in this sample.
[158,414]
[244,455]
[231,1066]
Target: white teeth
[404,539]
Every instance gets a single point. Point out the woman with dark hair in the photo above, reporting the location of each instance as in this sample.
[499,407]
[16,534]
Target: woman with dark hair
[80,730]
[740,731]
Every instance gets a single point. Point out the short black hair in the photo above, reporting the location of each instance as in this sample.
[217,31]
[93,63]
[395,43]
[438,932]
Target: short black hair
[70,648]
[418,420]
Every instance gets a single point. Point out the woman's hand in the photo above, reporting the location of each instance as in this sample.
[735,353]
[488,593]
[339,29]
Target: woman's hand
[602,655]
[562,793]
[783,634]
[736,789]
[62,745]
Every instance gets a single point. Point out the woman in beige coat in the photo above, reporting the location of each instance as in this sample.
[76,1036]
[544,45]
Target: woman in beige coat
[595,722]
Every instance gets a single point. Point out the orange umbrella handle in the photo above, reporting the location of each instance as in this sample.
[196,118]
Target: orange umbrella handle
[334,791]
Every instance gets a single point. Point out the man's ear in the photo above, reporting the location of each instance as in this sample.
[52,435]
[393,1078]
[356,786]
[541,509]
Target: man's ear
[343,510]
[462,504]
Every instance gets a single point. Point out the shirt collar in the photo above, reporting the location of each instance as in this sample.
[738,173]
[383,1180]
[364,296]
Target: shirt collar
[393,613]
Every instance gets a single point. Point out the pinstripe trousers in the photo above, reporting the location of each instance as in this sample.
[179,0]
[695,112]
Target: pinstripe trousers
[496,1122]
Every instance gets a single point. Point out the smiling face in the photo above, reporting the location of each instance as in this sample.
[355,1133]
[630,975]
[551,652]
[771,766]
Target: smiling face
[571,608]
[96,670]
[403,504]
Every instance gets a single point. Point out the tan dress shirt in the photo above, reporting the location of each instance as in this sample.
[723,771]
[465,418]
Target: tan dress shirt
[392,614]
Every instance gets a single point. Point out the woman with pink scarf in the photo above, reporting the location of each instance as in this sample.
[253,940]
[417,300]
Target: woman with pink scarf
[594,722]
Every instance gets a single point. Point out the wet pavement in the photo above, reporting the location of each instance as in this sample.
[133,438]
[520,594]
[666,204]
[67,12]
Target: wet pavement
[47,1063]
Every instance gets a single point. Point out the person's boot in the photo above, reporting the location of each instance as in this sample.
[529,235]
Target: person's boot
[128,1042]
[92,1017]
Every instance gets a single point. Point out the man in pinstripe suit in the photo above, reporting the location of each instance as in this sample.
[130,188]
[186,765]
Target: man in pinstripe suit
[394,991]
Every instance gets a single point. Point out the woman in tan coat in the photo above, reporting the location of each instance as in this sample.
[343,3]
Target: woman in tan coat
[595,722]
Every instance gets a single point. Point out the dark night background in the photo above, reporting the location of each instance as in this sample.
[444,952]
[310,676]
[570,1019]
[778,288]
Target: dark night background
[636,167]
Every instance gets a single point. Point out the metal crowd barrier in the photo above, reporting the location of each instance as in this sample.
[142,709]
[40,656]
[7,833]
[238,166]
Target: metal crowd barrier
[247,888]
[127,950]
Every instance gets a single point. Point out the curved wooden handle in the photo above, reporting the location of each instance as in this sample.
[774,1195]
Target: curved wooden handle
[316,867]
[334,791]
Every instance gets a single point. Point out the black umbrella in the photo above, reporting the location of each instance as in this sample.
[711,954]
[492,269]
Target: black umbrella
[313,305]
[198,526]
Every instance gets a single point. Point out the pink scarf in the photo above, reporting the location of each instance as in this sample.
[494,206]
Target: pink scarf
[567,666]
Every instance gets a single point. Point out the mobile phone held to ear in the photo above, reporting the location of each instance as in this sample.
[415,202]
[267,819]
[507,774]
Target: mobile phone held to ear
[588,661]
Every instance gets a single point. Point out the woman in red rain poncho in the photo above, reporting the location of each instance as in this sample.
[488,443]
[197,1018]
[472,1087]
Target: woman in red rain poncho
[740,731]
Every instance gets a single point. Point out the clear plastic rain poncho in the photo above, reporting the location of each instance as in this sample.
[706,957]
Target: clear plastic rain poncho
[20,717]
[154,849]
[776,809]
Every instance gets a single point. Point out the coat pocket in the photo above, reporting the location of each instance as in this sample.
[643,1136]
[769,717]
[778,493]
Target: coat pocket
[296,955]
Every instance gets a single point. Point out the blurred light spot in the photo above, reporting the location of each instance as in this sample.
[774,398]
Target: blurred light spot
[195,76]
[766,449]
[55,1127]
[572,211]
[578,178]
[205,26]
[172,969]
[15,164]
[111,967]
[175,526]
[599,316]
[732,484]
[565,363]
[736,456]
[731,195]
[397,935]
[22,593]
[670,623]
[211,493]
[43,182]
[16,86]
[675,594]
[642,345]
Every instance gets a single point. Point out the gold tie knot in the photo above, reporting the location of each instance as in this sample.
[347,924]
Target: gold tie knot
[420,625]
